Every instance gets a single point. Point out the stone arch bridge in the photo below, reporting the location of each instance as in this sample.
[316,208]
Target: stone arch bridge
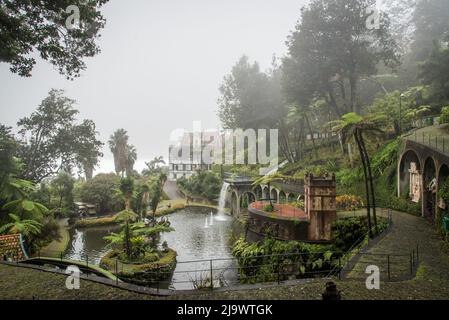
[422,168]
[241,192]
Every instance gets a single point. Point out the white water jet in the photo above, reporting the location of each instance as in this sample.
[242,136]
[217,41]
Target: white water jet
[221,216]
[206,225]
[211,223]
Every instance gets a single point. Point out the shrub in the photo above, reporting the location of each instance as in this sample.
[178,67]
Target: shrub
[346,231]
[348,202]
[297,204]
[405,205]
[268,208]
[265,261]
[205,184]
[444,117]
[96,222]
[138,272]
[102,192]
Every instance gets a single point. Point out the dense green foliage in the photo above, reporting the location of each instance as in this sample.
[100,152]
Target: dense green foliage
[30,26]
[52,141]
[204,183]
[102,192]
[263,262]
[444,117]
[351,231]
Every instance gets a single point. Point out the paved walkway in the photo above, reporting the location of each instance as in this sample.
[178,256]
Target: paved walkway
[172,191]
[407,233]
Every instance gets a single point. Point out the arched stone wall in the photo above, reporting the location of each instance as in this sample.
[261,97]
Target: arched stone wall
[258,192]
[274,195]
[246,199]
[409,161]
[282,197]
[443,175]
[266,192]
[430,188]
[235,204]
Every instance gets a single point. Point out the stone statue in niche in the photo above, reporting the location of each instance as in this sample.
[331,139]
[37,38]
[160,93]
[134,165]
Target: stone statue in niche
[415,183]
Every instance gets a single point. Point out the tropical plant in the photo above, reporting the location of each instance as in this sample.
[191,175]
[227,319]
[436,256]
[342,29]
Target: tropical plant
[118,144]
[444,117]
[101,192]
[52,140]
[24,208]
[153,167]
[354,126]
[49,37]
[26,227]
[127,190]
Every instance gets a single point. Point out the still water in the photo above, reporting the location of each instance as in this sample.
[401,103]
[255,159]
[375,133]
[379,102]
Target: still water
[198,235]
[89,244]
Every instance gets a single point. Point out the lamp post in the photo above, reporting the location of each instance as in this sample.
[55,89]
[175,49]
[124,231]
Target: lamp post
[400,113]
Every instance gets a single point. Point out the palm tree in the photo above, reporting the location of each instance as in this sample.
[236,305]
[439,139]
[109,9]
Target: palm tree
[144,200]
[131,157]
[118,144]
[127,190]
[153,166]
[298,113]
[156,194]
[352,125]
[26,227]
[126,216]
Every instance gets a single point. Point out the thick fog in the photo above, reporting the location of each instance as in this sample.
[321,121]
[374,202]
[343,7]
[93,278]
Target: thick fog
[160,67]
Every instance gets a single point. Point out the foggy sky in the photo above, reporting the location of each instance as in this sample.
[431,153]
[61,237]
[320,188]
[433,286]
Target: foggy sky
[160,67]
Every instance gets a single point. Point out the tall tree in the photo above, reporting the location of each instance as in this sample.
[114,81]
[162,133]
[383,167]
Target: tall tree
[250,98]
[153,166]
[131,157]
[51,140]
[88,149]
[127,190]
[28,26]
[118,144]
[332,48]
[63,185]
[435,71]
[354,126]
[431,21]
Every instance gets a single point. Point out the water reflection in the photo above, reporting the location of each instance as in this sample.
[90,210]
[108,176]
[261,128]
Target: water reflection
[89,244]
[191,240]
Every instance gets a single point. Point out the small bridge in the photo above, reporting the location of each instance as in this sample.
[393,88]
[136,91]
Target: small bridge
[423,166]
[241,192]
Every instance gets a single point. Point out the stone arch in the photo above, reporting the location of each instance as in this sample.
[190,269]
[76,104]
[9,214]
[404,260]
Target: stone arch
[291,197]
[443,174]
[429,188]
[282,197]
[266,193]
[235,204]
[274,195]
[409,172]
[258,191]
[246,199]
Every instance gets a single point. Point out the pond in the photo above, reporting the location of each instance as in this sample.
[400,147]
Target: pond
[89,244]
[191,239]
